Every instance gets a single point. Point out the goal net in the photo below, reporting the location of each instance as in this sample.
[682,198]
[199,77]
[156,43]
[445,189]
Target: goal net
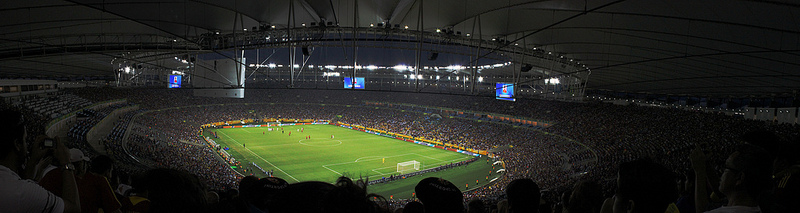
[408,166]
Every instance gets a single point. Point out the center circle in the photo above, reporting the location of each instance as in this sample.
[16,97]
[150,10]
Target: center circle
[320,142]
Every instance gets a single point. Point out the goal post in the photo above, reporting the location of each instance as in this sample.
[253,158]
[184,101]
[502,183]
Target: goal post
[408,166]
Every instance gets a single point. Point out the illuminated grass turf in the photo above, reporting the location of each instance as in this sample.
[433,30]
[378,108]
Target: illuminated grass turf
[351,153]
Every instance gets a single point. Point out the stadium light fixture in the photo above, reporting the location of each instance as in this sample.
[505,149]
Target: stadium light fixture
[480,79]
[371,25]
[272,65]
[400,67]
[303,24]
[372,67]
[273,26]
[468,35]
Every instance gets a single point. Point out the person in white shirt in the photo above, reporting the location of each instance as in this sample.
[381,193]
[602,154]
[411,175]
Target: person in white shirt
[746,175]
[24,195]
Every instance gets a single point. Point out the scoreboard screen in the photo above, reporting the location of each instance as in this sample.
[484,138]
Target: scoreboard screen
[504,91]
[174,81]
[354,83]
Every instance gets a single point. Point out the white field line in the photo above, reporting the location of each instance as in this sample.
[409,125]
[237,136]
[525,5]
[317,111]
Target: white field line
[428,157]
[381,173]
[332,170]
[384,174]
[376,157]
[423,167]
[265,160]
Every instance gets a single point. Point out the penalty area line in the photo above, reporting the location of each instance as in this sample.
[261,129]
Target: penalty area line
[265,160]
[331,170]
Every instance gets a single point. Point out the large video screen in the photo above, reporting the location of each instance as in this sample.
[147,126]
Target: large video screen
[504,91]
[358,82]
[174,81]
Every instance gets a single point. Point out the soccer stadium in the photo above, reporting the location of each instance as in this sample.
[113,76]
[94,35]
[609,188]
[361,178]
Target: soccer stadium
[400,106]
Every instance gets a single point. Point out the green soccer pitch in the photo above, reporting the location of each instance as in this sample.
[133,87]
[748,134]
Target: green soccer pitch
[349,153]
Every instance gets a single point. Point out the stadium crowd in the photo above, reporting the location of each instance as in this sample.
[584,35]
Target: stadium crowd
[590,152]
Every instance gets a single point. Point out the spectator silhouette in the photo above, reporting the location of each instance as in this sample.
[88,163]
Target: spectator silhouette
[303,197]
[20,195]
[95,189]
[266,190]
[523,196]
[787,177]
[439,195]
[349,196]
[414,207]
[746,175]
[172,190]
[476,206]
[643,186]
[587,197]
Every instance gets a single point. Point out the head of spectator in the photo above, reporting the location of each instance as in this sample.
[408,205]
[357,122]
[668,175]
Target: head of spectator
[763,138]
[102,165]
[786,192]
[439,195]
[265,191]
[303,197]
[212,197]
[747,174]
[502,206]
[587,197]
[523,196]
[350,196]
[414,207]
[786,156]
[80,161]
[171,190]
[564,200]
[643,186]
[476,206]
[247,188]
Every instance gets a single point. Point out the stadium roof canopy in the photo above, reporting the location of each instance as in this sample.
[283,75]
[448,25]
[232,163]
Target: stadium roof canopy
[706,48]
